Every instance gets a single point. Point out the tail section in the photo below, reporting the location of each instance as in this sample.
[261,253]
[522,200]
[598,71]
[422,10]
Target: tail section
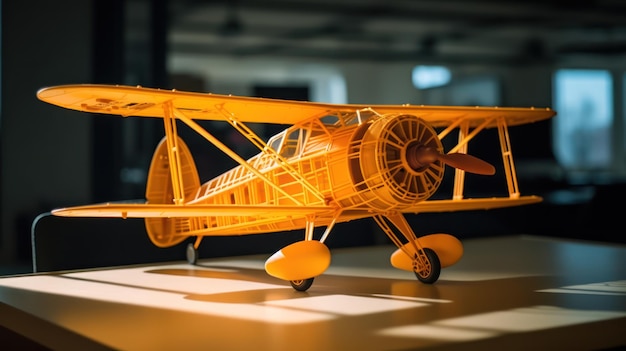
[165,232]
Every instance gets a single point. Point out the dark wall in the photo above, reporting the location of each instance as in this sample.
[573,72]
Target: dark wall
[44,149]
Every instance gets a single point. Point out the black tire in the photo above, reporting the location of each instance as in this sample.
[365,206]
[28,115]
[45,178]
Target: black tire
[302,285]
[192,254]
[433,269]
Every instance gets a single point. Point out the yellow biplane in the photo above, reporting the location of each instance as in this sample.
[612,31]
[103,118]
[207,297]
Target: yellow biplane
[334,163]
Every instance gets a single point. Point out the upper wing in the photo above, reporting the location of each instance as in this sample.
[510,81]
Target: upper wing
[148,102]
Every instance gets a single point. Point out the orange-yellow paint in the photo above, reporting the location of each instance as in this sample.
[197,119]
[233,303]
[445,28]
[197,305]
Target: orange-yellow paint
[298,261]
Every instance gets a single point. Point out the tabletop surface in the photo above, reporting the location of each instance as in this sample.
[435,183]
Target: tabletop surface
[511,292]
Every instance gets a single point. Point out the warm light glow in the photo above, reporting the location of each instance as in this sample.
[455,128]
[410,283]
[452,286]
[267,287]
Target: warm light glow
[528,319]
[346,304]
[607,288]
[134,286]
[491,324]
[202,290]
[437,332]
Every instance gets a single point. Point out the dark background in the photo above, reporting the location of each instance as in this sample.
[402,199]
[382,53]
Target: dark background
[53,157]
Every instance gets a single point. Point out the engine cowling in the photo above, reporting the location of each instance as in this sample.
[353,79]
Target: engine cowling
[387,175]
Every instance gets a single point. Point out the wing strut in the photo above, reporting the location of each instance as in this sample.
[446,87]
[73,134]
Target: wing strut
[213,140]
[173,154]
[466,139]
[461,147]
[259,143]
[459,174]
[507,157]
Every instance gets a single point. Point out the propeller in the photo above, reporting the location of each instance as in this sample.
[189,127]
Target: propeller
[420,156]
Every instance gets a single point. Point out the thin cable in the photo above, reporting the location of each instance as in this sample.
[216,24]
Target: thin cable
[32,238]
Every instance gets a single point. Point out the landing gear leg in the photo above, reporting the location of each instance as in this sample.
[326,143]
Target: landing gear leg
[426,263]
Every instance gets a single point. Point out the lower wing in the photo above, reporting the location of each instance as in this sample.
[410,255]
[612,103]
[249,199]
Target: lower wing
[471,204]
[129,210]
[143,210]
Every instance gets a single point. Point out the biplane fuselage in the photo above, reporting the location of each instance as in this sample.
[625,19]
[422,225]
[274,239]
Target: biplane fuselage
[334,163]
[325,156]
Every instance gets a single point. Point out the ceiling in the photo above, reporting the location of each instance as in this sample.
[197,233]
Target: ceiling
[445,31]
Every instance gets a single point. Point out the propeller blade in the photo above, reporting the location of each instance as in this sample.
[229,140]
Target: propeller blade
[421,156]
[467,163]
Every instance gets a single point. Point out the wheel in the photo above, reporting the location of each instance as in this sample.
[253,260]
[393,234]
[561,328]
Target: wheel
[192,254]
[302,284]
[433,267]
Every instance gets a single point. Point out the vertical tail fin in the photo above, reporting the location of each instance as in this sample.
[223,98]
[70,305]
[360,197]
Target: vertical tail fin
[165,232]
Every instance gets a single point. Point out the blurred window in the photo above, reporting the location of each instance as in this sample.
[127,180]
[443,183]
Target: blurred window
[425,77]
[583,100]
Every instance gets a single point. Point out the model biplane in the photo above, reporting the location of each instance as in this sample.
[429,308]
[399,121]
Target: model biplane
[334,163]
